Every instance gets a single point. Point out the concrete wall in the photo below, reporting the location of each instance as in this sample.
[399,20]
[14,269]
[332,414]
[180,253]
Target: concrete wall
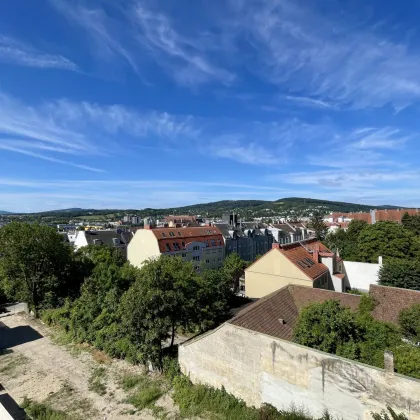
[361,275]
[270,273]
[259,368]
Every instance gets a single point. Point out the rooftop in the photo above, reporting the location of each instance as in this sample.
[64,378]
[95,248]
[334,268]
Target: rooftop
[276,314]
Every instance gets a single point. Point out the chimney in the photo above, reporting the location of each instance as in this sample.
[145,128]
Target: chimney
[315,254]
[275,246]
[389,362]
[380,260]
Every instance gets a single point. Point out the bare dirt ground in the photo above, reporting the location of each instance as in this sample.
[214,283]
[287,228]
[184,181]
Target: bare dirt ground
[61,375]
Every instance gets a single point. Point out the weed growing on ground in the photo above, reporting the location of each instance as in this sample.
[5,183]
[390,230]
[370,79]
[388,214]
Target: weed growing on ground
[97,380]
[42,411]
[10,363]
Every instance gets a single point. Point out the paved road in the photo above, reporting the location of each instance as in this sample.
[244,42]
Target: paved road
[14,309]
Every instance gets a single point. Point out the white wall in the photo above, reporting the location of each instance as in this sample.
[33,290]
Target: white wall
[361,275]
[4,414]
[258,368]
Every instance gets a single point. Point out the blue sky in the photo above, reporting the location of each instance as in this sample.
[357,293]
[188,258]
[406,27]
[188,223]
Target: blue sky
[137,103]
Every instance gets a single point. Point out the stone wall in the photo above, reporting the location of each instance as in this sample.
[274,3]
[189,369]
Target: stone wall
[258,368]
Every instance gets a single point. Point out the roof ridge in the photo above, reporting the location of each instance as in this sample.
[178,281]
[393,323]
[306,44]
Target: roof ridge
[258,303]
[392,287]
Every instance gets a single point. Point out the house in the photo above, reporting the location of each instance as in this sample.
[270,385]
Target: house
[202,245]
[117,238]
[385,215]
[288,232]
[253,357]
[247,239]
[306,263]
[179,221]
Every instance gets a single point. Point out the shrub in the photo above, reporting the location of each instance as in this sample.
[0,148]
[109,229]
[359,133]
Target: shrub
[409,320]
[39,411]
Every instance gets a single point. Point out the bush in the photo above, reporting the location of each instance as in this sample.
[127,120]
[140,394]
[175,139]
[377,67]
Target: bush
[383,415]
[407,360]
[409,320]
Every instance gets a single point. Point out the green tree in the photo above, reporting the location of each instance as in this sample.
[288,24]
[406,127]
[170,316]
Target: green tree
[317,224]
[409,320]
[233,268]
[326,326]
[411,223]
[407,360]
[162,299]
[386,239]
[36,266]
[397,272]
[346,242]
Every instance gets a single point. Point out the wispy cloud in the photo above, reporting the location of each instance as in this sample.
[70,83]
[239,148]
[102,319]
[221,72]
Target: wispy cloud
[332,57]
[16,52]
[133,32]
[314,103]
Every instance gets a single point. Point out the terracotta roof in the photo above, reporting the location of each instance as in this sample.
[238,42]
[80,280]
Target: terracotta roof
[302,259]
[390,301]
[177,238]
[276,314]
[311,244]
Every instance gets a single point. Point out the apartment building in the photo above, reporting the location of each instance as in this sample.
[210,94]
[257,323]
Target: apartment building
[203,245]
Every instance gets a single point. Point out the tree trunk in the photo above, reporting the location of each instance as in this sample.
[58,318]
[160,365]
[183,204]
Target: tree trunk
[173,335]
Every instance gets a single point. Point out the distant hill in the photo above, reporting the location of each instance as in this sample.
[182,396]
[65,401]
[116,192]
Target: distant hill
[5,212]
[284,207]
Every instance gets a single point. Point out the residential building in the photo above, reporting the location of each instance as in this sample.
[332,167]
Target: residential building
[247,239]
[306,263]
[180,221]
[288,232]
[117,238]
[385,215]
[253,357]
[202,245]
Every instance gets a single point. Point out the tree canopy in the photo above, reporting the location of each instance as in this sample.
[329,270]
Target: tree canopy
[233,268]
[387,239]
[398,272]
[36,266]
[409,319]
[318,225]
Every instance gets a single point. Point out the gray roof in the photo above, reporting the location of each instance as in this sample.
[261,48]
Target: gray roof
[227,229]
[107,237]
[284,228]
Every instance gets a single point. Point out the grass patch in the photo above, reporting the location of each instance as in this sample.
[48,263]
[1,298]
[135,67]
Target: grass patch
[10,363]
[146,390]
[130,381]
[199,400]
[97,381]
[42,411]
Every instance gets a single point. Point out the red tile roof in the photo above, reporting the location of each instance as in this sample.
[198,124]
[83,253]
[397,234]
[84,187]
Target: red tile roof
[311,244]
[302,259]
[390,301]
[186,235]
[276,314]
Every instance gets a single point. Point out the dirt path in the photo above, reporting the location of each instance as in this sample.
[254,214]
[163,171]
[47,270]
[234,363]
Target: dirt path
[44,371]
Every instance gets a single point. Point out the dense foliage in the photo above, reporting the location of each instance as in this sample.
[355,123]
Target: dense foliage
[365,243]
[335,329]
[411,223]
[387,239]
[409,319]
[346,242]
[403,273]
[131,313]
[36,266]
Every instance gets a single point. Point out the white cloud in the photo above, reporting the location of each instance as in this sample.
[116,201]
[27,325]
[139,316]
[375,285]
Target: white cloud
[314,103]
[139,31]
[15,52]
[332,57]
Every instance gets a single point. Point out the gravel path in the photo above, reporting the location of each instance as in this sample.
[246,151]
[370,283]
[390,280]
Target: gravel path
[43,370]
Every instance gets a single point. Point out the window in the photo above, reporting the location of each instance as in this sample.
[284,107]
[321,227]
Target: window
[168,247]
[179,233]
[183,255]
[196,258]
[183,244]
[163,234]
[196,248]
[176,246]
[207,261]
[171,234]
[220,259]
[213,242]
